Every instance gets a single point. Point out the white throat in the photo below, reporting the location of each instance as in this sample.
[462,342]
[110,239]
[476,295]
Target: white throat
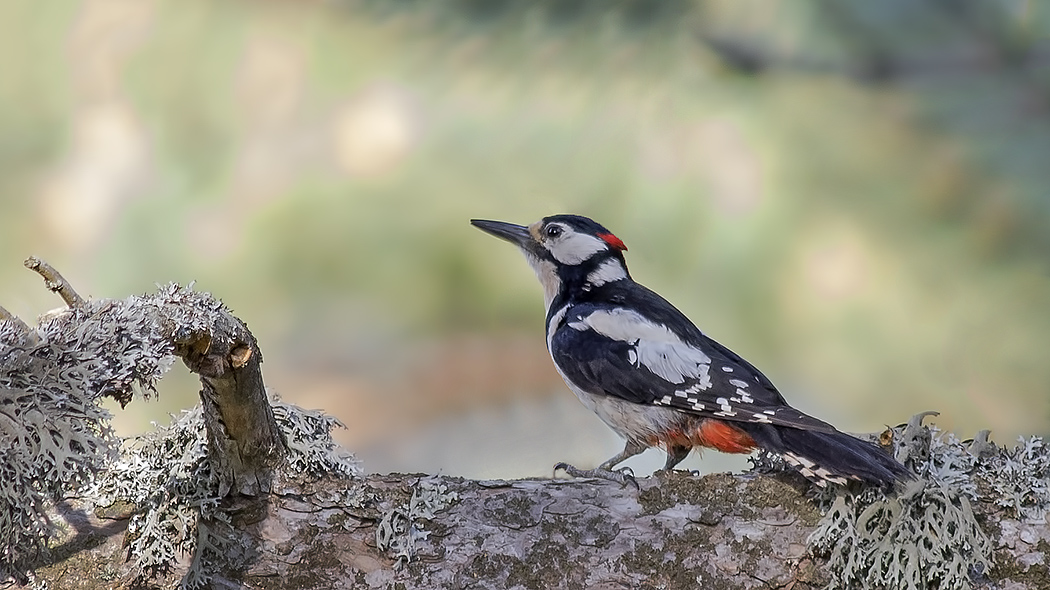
[547,273]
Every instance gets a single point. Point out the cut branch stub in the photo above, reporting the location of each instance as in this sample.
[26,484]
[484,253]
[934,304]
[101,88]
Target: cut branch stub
[193,346]
[244,441]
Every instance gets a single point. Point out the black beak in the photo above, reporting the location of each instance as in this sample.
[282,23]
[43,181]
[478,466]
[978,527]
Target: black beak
[515,234]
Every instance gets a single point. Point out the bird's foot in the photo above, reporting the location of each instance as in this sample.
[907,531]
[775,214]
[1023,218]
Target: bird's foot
[622,476]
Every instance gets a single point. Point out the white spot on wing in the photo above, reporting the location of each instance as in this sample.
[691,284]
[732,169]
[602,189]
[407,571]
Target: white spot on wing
[738,383]
[724,408]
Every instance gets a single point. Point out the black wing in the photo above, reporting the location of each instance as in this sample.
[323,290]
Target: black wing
[602,347]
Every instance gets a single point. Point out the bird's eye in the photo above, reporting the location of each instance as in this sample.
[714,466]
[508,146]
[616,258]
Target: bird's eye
[553,231]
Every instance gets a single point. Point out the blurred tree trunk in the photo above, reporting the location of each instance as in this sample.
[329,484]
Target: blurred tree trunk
[677,531]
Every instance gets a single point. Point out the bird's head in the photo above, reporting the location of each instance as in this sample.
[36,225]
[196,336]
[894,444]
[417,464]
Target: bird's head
[565,251]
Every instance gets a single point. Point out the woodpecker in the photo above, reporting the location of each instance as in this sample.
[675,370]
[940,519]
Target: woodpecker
[653,377]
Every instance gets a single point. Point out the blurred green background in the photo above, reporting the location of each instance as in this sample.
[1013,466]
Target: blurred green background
[853,195]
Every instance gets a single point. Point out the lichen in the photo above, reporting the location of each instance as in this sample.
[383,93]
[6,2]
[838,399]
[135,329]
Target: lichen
[312,451]
[1020,478]
[166,475]
[719,493]
[54,434]
[926,534]
[401,526]
[57,441]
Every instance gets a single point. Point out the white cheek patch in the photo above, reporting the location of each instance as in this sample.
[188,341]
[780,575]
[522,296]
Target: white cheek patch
[609,271]
[574,248]
[655,346]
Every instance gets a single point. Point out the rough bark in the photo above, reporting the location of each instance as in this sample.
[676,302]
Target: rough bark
[677,531]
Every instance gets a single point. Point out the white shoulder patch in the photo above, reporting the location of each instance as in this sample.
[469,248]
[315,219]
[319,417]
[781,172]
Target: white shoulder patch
[655,346]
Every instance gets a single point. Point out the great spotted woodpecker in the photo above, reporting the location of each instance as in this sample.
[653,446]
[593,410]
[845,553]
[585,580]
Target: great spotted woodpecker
[655,378]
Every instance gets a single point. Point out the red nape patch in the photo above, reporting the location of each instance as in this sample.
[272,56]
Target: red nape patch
[613,241]
[723,436]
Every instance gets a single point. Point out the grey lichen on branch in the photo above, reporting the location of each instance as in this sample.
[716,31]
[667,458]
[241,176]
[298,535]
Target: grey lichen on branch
[166,475]
[53,376]
[54,435]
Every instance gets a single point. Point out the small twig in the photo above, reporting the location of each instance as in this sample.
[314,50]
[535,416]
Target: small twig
[6,316]
[55,281]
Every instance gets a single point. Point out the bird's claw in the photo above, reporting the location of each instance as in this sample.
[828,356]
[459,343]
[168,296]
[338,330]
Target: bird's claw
[622,476]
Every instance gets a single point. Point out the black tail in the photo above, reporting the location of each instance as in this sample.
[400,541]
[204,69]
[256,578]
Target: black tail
[833,457]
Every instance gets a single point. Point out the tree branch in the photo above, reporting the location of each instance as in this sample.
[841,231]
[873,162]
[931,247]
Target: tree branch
[418,532]
[55,282]
[244,442]
[58,438]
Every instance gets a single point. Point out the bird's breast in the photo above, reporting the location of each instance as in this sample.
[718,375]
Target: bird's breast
[633,421]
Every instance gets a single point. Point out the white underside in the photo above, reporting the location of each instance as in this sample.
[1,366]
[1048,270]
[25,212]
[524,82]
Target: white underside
[636,422]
